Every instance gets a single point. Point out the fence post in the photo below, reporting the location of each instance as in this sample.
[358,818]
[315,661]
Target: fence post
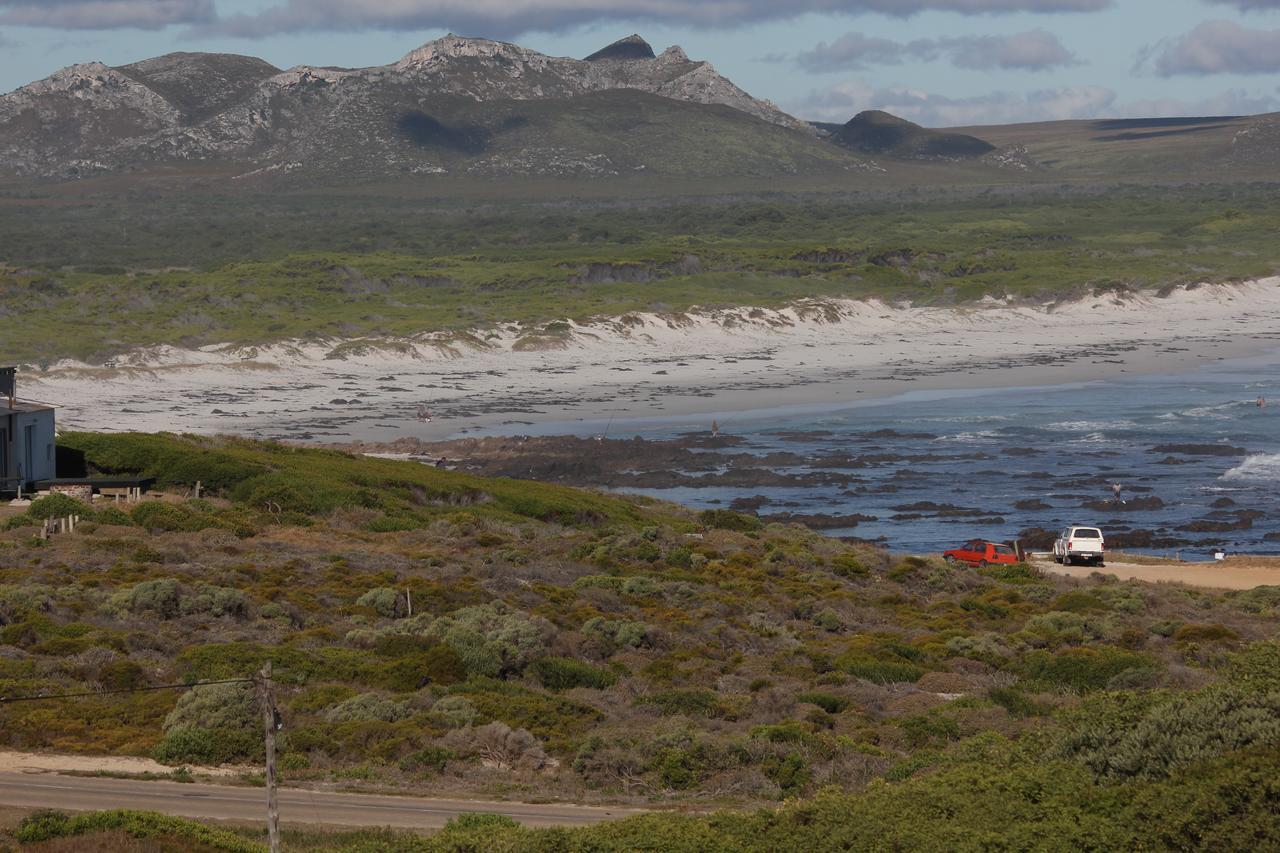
[269,724]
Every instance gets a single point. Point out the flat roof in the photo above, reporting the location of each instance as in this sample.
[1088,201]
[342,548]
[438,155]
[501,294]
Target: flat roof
[23,406]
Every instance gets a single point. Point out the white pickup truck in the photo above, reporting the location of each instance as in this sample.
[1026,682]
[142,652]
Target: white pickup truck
[1079,544]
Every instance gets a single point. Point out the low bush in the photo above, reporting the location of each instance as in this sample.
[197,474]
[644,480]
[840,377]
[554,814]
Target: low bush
[825,701]
[49,825]
[433,759]
[1083,669]
[565,674]
[1175,734]
[689,703]
[616,634]
[386,602]
[58,506]
[369,706]
[881,671]
[725,519]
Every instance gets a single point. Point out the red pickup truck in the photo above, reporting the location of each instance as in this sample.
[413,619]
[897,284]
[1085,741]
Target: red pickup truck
[979,552]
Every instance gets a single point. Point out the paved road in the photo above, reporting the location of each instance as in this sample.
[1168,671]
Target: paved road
[218,802]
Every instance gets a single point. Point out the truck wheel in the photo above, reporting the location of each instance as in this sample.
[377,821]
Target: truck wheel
[982,564]
[951,561]
[1066,560]
[1057,559]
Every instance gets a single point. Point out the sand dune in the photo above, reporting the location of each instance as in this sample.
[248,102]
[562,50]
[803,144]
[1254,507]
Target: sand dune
[697,365]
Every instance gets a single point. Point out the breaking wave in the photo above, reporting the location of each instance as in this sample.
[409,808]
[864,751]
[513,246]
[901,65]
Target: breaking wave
[1259,467]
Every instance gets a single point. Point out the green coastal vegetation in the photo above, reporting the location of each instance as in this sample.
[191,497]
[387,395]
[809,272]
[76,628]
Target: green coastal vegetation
[760,686]
[331,266]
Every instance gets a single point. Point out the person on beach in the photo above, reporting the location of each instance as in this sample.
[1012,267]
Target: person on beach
[1116,488]
[441,462]
[1262,402]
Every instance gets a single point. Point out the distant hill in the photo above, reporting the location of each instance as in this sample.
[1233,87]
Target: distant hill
[880,133]
[455,105]
[631,47]
[1203,147]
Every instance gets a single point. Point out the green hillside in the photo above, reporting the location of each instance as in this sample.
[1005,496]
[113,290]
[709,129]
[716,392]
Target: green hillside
[348,266]
[571,645]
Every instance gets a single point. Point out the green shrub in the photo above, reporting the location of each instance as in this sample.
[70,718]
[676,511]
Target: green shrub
[609,582]
[690,703]
[166,598]
[49,825]
[206,746]
[724,519]
[122,674]
[616,633]
[368,706]
[386,602]
[1017,573]
[1257,666]
[1176,734]
[1262,599]
[155,515]
[565,674]
[58,506]
[1058,628]
[212,724]
[880,671]
[455,712]
[1016,702]
[1192,633]
[493,639]
[432,758]
[1083,669]
[113,515]
[825,701]
[848,566]
[479,822]
[1077,601]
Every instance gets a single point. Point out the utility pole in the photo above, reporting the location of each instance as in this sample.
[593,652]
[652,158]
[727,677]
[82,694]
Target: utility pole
[271,723]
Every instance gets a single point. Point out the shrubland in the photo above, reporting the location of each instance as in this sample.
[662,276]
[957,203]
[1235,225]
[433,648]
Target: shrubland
[432,632]
[341,268]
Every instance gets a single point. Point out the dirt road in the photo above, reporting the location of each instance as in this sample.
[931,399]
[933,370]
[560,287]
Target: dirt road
[219,802]
[1232,573]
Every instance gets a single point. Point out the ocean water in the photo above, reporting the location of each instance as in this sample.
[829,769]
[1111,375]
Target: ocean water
[1191,450]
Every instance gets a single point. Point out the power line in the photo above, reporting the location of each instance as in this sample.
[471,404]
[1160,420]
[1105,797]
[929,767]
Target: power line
[86,694]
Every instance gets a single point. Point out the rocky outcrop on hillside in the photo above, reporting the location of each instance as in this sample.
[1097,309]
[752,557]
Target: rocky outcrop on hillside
[453,98]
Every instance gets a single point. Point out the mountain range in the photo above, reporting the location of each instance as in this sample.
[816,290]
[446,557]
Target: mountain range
[453,105]
[477,108]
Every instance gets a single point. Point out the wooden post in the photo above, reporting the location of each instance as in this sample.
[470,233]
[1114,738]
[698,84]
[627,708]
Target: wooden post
[267,701]
[197,490]
[408,598]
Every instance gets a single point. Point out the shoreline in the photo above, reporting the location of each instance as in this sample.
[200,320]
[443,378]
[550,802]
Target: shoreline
[656,368]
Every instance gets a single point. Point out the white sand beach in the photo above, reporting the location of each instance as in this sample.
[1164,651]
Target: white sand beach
[701,365]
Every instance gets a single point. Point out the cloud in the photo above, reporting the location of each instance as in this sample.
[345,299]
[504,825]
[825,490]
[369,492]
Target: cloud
[840,102]
[1034,50]
[105,14]
[1249,5]
[1217,47]
[506,18]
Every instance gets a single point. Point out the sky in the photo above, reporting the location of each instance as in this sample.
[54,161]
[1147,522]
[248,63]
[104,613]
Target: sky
[938,62]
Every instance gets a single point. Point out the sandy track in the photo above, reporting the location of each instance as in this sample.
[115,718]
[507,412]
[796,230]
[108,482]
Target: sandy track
[1234,573]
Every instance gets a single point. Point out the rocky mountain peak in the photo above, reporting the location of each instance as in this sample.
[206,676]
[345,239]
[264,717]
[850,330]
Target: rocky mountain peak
[450,99]
[630,48]
[462,47]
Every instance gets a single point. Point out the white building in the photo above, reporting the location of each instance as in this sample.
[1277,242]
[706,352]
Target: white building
[27,453]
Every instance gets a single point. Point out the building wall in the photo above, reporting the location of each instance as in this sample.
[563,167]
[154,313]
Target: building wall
[43,458]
